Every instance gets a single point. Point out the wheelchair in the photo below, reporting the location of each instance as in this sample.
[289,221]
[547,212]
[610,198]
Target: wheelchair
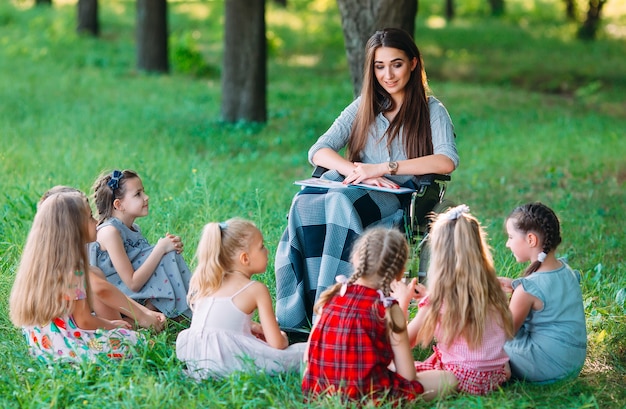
[428,198]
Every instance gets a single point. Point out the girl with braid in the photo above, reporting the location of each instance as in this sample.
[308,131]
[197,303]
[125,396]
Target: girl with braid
[547,305]
[463,308]
[361,332]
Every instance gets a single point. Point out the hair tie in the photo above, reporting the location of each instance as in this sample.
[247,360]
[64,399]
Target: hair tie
[541,257]
[343,280]
[223,226]
[114,182]
[387,301]
[456,212]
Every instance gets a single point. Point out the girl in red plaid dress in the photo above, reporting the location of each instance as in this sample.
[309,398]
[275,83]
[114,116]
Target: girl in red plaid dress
[361,332]
[464,307]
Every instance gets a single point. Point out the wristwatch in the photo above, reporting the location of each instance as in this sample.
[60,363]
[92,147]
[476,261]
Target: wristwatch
[393,167]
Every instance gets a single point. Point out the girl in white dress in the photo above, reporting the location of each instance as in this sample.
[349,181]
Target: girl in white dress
[222,337]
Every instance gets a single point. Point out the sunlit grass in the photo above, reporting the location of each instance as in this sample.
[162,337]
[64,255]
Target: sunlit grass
[538,116]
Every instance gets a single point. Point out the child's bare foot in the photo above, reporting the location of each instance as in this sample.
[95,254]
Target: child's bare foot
[154,320]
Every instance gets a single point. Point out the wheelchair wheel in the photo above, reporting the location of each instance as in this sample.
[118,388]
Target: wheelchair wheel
[424,252]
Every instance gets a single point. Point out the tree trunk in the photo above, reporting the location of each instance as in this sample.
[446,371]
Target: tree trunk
[589,29]
[497,7]
[87,17]
[152,36]
[244,72]
[570,9]
[361,18]
[449,10]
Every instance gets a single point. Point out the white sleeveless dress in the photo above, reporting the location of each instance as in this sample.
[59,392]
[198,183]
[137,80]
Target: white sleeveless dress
[220,341]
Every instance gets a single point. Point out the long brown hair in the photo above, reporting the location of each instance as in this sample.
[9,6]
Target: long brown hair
[464,292]
[413,118]
[53,261]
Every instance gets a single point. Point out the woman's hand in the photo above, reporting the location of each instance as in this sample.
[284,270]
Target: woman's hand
[370,174]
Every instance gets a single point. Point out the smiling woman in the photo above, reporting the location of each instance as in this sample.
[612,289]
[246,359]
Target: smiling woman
[393,132]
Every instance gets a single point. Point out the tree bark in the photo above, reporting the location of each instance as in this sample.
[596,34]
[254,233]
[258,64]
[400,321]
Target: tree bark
[244,72]
[152,36]
[497,7]
[449,10]
[589,28]
[570,10]
[87,17]
[361,18]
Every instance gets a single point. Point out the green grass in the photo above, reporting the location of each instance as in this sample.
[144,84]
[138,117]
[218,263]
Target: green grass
[539,116]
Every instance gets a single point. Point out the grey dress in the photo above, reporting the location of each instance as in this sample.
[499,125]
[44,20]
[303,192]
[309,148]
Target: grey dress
[166,288]
[552,342]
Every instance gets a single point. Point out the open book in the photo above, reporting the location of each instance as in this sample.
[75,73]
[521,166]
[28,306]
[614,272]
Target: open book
[327,184]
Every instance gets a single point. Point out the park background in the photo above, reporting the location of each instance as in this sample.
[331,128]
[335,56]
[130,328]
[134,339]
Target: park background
[539,115]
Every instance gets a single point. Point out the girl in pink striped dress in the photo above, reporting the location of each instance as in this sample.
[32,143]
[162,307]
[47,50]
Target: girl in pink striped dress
[464,308]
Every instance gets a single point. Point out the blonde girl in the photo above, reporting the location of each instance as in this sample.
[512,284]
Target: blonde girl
[108,301]
[547,304]
[156,276]
[222,337]
[463,308]
[361,332]
[50,298]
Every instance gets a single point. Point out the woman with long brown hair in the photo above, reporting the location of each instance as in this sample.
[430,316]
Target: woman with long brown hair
[393,132]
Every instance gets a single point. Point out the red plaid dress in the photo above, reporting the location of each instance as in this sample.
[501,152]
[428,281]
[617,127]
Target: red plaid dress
[479,370]
[349,351]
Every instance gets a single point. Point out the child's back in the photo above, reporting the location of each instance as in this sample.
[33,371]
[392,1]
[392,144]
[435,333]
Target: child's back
[556,336]
[222,337]
[350,353]
[220,341]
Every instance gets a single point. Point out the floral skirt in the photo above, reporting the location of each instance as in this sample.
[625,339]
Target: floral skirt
[61,339]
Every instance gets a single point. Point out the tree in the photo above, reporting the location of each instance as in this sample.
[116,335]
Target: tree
[244,72]
[152,35]
[449,10]
[361,18]
[590,26]
[497,7]
[570,9]
[87,17]
[43,2]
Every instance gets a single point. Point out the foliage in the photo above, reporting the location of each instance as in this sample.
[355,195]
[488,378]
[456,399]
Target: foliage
[539,116]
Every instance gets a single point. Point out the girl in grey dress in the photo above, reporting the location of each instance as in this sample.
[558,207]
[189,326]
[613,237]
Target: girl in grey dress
[547,304]
[156,276]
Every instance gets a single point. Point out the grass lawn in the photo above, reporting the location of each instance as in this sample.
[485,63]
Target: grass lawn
[538,115]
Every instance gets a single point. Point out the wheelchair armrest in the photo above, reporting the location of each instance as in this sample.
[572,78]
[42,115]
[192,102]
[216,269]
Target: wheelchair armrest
[429,178]
[318,172]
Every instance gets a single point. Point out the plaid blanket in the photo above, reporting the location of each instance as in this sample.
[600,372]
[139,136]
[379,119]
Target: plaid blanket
[315,247]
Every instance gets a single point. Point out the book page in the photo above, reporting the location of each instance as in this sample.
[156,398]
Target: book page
[327,184]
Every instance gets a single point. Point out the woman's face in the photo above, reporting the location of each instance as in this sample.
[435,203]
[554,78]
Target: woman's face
[392,69]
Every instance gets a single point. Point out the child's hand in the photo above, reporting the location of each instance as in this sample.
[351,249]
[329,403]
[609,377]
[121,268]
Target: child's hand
[505,283]
[420,291]
[404,293]
[257,331]
[121,324]
[176,240]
